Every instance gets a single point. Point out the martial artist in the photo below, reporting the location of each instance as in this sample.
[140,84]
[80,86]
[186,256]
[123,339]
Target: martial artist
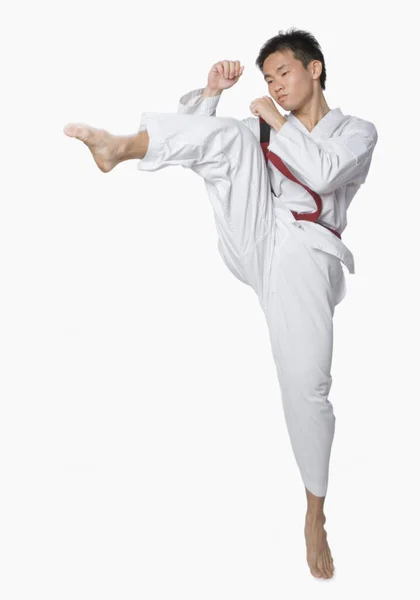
[280,210]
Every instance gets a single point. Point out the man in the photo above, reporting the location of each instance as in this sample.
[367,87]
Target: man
[268,237]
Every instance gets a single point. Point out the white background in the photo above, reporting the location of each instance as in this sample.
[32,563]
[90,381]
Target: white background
[143,448]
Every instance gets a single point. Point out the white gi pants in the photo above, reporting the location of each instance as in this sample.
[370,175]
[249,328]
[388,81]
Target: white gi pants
[297,286]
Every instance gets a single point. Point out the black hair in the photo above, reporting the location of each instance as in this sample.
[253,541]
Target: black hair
[303,45]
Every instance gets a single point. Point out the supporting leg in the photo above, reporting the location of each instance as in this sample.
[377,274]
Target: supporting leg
[300,322]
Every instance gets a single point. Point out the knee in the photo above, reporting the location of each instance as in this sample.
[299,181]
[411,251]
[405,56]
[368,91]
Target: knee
[238,139]
[238,127]
[310,393]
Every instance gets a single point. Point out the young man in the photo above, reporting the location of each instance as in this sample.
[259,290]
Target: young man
[280,209]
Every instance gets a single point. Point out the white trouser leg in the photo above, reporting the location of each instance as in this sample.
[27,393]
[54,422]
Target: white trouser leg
[227,155]
[303,294]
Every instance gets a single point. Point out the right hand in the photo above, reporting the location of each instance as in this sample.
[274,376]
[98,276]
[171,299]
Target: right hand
[224,74]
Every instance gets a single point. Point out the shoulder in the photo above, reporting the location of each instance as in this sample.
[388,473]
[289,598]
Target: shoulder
[352,124]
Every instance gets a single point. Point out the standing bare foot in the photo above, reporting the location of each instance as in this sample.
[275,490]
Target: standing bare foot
[103,145]
[318,554]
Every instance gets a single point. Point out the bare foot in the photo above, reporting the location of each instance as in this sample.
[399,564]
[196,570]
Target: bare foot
[318,554]
[103,145]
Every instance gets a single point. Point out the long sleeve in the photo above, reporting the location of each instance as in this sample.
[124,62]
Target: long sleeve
[192,104]
[326,164]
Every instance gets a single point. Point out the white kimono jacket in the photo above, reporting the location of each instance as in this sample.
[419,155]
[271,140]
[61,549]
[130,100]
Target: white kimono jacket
[332,160]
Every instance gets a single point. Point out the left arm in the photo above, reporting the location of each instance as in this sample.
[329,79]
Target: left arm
[323,165]
[327,164]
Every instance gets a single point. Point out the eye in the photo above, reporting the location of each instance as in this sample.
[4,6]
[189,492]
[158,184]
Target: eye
[282,76]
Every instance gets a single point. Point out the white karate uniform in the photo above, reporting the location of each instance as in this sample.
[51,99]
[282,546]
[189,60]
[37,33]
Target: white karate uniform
[294,267]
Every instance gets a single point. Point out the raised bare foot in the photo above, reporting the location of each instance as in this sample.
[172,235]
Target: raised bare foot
[103,145]
[318,554]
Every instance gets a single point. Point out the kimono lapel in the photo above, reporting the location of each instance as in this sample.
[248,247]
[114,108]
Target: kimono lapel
[324,128]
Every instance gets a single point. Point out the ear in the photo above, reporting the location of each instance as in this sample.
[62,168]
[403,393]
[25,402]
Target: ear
[316,68]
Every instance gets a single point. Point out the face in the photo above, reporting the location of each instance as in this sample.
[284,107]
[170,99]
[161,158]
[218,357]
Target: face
[285,75]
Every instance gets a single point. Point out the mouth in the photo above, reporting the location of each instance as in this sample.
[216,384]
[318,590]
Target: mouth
[281,97]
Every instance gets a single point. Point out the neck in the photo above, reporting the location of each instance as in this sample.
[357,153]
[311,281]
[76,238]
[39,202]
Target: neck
[312,111]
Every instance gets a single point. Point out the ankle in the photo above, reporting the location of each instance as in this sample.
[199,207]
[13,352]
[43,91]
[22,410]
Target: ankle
[313,516]
[132,146]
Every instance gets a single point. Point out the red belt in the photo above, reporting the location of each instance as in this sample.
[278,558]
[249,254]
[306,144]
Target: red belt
[277,162]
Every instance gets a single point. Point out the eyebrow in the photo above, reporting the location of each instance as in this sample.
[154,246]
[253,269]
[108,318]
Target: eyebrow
[278,69]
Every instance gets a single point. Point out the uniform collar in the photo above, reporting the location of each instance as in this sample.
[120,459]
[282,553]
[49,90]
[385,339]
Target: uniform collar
[324,127]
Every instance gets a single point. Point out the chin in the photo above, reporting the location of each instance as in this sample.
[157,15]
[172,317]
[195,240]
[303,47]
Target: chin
[289,106]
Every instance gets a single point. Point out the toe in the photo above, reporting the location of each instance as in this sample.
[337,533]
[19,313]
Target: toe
[316,573]
[328,565]
[70,129]
[330,562]
[77,130]
[321,565]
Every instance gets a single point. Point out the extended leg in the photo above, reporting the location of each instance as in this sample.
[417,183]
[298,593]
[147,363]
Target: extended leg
[227,156]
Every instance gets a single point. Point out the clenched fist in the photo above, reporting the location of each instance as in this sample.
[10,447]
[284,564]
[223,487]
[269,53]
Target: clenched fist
[265,108]
[224,74]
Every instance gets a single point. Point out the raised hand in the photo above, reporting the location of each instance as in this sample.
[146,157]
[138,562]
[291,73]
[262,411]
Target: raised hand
[224,74]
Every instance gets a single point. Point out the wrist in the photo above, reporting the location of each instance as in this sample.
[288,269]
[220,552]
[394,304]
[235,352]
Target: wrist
[210,92]
[280,121]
